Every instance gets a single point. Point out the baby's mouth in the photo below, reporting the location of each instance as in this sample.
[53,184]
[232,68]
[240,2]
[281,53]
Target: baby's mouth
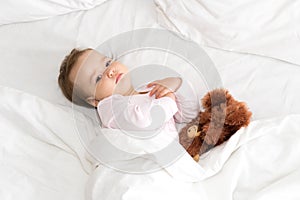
[118,77]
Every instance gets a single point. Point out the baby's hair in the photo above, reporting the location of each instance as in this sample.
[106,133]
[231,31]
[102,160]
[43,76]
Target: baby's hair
[64,82]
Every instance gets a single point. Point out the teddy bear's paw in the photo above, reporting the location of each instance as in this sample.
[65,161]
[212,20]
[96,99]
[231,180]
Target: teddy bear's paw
[196,157]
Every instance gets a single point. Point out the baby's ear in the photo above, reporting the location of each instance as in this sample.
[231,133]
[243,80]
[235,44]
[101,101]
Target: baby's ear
[92,101]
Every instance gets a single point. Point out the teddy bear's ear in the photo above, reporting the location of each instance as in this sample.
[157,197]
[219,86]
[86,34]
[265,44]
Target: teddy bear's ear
[193,132]
[186,131]
[237,115]
[215,98]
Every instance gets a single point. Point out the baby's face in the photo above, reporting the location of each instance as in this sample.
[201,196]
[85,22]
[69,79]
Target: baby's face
[98,76]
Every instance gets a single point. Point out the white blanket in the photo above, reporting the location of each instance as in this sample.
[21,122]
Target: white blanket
[260,162]
[266,167]
[40,151]
[267,149]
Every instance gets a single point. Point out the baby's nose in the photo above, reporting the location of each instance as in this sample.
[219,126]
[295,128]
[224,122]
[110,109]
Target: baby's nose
[111,73]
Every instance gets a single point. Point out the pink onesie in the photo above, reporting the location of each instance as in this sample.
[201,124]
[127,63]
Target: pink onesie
[142,112]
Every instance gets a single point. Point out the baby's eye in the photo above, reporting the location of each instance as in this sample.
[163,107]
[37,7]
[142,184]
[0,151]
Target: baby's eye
[108,63]
[98,78]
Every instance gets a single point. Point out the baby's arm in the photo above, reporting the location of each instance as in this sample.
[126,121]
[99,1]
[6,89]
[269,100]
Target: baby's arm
[165,87]
[188,106]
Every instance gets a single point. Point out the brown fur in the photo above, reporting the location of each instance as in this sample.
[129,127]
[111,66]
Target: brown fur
[221,118]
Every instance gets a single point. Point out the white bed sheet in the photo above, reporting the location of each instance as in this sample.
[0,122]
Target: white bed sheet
[30,57]
[264,28]
[14,11]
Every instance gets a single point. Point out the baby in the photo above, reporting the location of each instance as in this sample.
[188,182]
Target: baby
[89,78]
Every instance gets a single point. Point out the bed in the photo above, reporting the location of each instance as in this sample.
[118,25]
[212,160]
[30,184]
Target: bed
[253,45]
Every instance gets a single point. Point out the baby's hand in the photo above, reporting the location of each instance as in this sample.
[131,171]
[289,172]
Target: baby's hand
[160,91]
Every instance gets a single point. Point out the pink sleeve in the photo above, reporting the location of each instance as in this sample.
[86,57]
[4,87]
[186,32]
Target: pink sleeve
[134,112]
[105,112]
[188,108]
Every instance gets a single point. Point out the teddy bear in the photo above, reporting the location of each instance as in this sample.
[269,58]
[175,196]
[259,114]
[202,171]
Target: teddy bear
[221,118]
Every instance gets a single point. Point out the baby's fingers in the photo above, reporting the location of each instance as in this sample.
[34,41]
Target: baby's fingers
[151,84]
[154,90]
[162,92]
[159,91]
